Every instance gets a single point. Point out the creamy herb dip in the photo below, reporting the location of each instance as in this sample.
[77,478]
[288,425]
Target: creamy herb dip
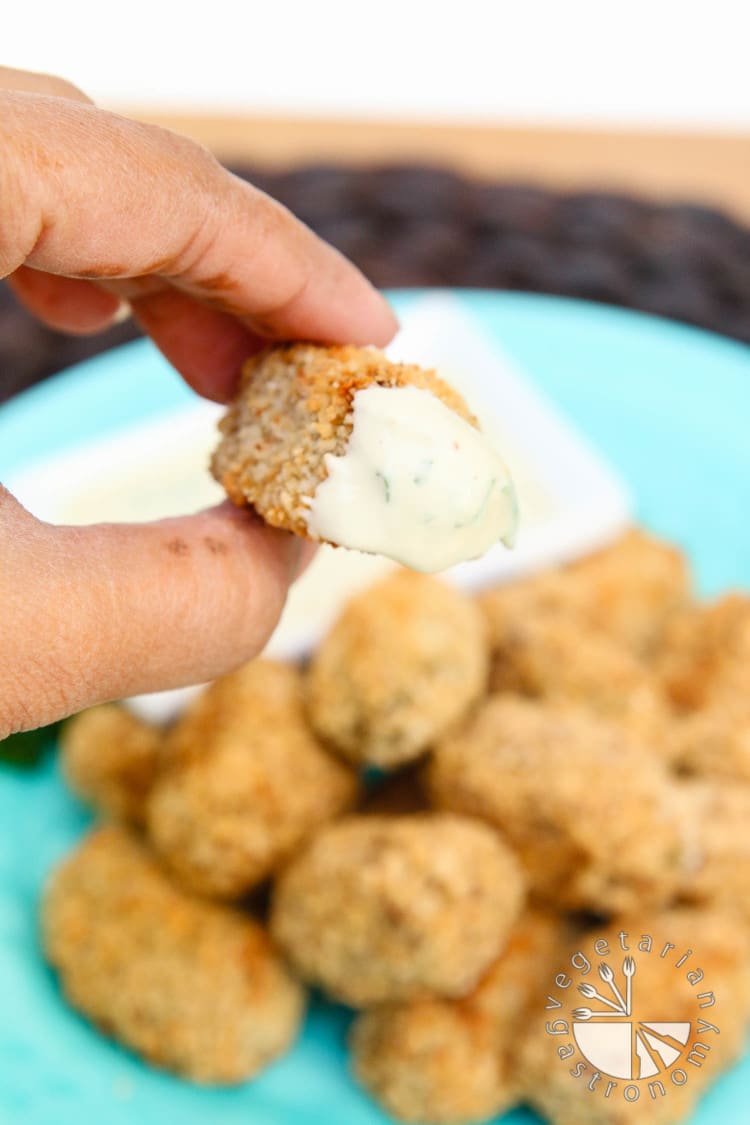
[416,483]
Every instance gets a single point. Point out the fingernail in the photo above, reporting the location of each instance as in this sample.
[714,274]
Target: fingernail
[390,315]
[123,313]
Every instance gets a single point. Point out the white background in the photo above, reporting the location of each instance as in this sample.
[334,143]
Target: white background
[658,63]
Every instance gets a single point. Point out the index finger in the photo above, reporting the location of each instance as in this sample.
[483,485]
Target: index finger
[97,196]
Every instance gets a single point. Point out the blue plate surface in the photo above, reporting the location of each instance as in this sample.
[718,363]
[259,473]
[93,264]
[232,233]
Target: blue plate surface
[670,408]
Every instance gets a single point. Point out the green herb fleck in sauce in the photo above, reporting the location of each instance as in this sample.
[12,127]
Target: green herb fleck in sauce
[386,485]
[423,472]
[483,506]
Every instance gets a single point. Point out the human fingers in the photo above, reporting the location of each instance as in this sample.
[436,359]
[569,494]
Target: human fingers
[33,82]
[102,612]
[99,197]
[67,304]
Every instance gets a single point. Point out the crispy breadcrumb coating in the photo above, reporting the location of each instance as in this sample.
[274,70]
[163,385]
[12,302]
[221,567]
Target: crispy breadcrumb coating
[713,743]
[661,991]
[110,758]
[449,1062]
[235,704]
[632,589]
[704,658]
[560,660]
[430,1063]
[190,986]
[716,866]
[610,769]
[589,813]
[388,908]
[294,407]
[404,662]
[509,607]
[629,591]
[248,784]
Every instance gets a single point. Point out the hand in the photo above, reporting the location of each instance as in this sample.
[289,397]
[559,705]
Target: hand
[95,209]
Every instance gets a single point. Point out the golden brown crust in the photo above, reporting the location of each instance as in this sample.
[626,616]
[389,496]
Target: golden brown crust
[110,758]
[190,986]
[716,864]
[404,662]
[247,783]
[235,704]
[586,809]
[386,908]
[508,608]
[628,591]
[560,659]
[451,1061]
[704,657]
[593,791]
[429,1062]
[294,407]
[632,588]
[713,743]
[721,951]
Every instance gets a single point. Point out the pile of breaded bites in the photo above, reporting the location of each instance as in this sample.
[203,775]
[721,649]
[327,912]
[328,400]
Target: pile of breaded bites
[425,823]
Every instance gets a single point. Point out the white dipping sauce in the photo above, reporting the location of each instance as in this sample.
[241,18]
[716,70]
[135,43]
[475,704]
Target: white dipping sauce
[416,483]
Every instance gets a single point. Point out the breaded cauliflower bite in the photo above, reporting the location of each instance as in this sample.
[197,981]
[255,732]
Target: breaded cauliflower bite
[234,706]
[378,909]
[713,743]
[508,608]
[662,992]
[340,445]
[629,591]
[704,657]
[248,782]
[559,659]
[716,865]
[432,1062]
[449,1062]
[404,662]
[592,817]
[295,408]
[190,986]
[632,589]
[110,758]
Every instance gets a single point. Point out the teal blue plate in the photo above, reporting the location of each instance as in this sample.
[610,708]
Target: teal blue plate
[670,408]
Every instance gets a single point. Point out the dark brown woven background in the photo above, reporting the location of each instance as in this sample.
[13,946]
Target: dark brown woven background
[419,226]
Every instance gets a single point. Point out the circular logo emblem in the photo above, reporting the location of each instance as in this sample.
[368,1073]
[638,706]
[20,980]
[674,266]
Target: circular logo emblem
[611,1022]
[613,1030]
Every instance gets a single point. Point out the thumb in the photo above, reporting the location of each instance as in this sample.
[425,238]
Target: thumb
[102,612]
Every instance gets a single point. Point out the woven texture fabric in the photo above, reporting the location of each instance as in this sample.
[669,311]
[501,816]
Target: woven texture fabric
[413,225]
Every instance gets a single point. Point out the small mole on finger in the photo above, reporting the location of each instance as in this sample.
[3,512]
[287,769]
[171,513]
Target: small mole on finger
[215,546]
[178,547]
